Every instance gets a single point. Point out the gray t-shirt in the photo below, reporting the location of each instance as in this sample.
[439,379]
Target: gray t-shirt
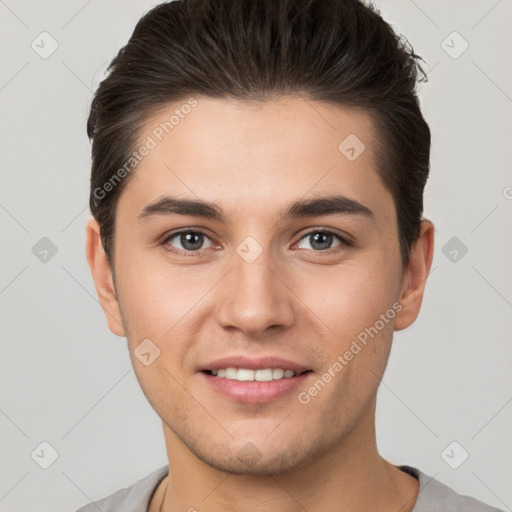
[433,496]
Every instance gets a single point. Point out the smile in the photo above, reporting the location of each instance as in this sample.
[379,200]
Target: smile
[247,375]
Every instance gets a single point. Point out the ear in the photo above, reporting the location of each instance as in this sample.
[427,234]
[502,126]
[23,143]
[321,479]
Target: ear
[102,276]
[415,277]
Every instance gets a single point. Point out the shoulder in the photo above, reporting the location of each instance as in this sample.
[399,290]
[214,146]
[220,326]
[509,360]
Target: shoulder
[435,496]
[134,498]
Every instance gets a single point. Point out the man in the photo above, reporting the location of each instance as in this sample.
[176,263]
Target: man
[257,192]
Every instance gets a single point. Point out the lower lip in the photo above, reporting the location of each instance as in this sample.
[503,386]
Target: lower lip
[255,392]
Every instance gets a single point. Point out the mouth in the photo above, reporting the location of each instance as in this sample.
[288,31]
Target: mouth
[255,386]
[254,380]
[258,375]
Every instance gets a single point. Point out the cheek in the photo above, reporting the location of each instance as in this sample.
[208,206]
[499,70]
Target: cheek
[350,297]
[167,305]
[350,301]
[156,297]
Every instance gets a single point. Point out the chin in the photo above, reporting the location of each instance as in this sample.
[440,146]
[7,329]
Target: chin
[249,460]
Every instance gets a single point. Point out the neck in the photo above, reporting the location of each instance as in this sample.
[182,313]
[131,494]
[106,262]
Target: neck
[350,476]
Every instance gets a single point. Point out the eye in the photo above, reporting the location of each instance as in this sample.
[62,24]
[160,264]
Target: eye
[321,240]
[190,241]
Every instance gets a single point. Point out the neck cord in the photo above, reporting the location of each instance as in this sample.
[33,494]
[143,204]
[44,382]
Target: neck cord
[165,494]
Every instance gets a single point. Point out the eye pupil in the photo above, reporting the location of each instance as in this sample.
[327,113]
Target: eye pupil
[191,241]
[324,239]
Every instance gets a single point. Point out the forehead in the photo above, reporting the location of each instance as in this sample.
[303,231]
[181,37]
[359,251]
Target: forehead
[257,154]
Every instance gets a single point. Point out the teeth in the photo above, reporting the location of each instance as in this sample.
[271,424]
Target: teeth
[263,375]
[244,374]
[277,373]
[231,373]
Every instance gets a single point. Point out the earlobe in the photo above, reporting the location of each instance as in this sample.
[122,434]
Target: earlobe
[102,276]
[415,277]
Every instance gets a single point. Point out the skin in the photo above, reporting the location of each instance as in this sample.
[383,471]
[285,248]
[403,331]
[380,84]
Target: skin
[295,301]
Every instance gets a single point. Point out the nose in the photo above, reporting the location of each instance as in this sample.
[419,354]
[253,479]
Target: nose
[255,297]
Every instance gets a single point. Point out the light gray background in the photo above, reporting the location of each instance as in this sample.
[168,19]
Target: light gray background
[67,381]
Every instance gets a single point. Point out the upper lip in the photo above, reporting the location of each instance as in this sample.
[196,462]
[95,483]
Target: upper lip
[255,363]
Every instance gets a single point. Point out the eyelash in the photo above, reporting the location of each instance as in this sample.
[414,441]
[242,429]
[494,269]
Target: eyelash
[344,242]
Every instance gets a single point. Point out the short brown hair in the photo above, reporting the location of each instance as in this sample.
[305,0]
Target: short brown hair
[338,51]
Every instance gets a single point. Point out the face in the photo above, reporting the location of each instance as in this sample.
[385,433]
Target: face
[243,280]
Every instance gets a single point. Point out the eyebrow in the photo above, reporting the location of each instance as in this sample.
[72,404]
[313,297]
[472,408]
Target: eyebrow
[330,205]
